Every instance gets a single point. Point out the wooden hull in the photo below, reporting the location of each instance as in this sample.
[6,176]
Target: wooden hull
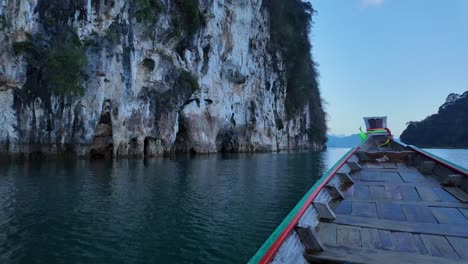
[378,205]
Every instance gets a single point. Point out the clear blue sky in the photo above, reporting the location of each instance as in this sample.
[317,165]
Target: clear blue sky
[399,58]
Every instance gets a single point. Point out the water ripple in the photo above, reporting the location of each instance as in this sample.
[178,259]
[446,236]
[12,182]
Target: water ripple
[214,209]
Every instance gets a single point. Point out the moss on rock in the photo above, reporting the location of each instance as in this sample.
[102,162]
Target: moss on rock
[60,61]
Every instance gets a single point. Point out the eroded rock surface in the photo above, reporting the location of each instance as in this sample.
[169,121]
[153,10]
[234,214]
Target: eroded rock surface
[150,87]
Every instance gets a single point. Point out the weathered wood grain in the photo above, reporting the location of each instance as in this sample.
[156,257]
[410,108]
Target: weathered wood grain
[372,176]
[409,193]
[361,192]
[334,192]
[389,165]
[420,245]
[327,233]
[347,190]
[402,167]
[344,207]
[458,193]
[377,192]
[309,218]
[444,195]
[309,239]
[346,254]
[464,211]
[324,211]
[364,209]
[449,216]
[457,230]
[442,171]
[346,178]
[370,238]
[422,203]
[460,245]
[404,242]
[344,169]
[348,235]
[361,156]
[452,180]
[413,177]
[393,193]
[426,167]
[396,184]
[354,165]
[372,165]
[292,249]
[390,211]
[438,246]
[381,170]
[428,194]
[418,213]
[387,241]
[393,177]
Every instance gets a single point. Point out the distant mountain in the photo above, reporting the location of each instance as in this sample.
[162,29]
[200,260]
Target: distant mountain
[448,128]
[343,141]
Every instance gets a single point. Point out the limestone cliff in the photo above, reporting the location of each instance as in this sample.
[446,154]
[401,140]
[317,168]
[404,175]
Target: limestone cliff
[115,78]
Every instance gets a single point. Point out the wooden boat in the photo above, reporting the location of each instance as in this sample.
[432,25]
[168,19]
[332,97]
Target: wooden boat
[383,202]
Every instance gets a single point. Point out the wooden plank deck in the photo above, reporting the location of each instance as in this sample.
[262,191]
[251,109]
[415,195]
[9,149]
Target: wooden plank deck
[392,204]
[393,213]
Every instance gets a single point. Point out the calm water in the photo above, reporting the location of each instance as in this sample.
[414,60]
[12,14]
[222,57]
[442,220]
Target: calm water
[212,209]
[458,156]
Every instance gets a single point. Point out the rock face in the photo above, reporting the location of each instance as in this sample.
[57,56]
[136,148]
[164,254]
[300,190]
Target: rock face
[446,129]
[152,82]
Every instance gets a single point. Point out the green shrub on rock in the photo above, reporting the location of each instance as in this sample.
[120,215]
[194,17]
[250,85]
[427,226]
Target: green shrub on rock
[189,78]
[147,11]
[190,15]
[60,61]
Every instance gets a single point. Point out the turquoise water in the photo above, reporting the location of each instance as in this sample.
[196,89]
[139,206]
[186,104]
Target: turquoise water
[207,209]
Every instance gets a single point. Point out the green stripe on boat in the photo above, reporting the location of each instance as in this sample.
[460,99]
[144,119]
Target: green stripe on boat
[376,131]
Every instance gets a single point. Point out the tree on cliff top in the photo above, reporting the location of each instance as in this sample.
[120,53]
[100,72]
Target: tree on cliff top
[447,128]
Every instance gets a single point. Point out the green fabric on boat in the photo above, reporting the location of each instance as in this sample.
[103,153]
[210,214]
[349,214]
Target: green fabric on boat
[362,134]
[377,131]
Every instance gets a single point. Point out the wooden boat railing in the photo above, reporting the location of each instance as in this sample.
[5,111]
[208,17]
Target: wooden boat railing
[266,253]
[438,159]
[290,223]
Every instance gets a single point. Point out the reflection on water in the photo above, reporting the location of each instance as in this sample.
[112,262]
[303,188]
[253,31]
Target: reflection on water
[208,209]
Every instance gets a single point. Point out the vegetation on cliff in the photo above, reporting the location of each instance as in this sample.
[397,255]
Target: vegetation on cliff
[446,129]
[59,61]
[147,11]
[4,23]
[190,15]
[186,23]
[290,24]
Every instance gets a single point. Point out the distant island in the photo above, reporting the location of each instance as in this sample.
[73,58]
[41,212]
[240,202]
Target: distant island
[446,129]
[350,141]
